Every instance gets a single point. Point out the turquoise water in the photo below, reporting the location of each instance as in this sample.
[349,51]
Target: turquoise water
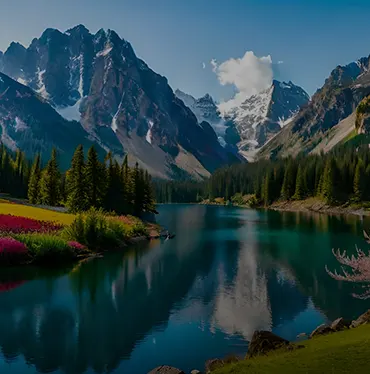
[180,302]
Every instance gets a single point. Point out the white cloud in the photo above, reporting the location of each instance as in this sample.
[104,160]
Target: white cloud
[203,65]
[280,62]
[249,75]
[214,65]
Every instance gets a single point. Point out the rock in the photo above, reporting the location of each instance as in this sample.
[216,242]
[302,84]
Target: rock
[302,335]
[212,365]
[321,330]
[164,369]
[195,372]
[362,320]
[340,324]
[265,341]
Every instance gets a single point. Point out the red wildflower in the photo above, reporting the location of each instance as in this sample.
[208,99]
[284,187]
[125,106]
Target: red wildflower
[77,246]
[17,225]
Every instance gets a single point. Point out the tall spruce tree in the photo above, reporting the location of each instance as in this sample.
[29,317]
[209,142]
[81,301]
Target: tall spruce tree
[95,179]
[50,182]
[300,186]
[288,187]
[359,182]
[76,182]
[328,188]
[34,182]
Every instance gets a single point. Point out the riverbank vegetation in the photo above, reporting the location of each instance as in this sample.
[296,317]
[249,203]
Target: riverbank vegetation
[337,178]
[341,352]
[92,207]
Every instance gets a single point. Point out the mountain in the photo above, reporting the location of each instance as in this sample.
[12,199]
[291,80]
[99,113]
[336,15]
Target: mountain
[121,103]
[29,123]
[261,116]
[330,116]
[205,109]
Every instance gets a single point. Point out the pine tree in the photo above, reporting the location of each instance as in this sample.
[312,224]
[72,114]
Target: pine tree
[288,187]
[75,182]
[50,182]
[359,182]
[95,180]
[300,189]
[127,184]
[328,188]
[138,191]
[149,203]
[34,182]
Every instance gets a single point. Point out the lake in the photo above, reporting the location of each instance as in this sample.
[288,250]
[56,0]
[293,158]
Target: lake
[227,273]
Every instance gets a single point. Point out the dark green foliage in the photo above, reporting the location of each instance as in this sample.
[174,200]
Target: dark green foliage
[50,182]
[340,176]
[95,179]
[76,187]
[34,182]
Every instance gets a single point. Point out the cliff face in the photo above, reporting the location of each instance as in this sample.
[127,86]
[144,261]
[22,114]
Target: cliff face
[121,103]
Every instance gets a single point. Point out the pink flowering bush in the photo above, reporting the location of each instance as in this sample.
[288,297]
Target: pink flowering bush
[12,251]
[16,225]
[357,271]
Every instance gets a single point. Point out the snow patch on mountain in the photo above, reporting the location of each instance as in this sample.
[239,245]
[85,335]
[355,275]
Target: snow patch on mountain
[42,89]
[148,136]
[114,119]
[104,52]
[22,81]
[6,139]
[20,125]
[70,113]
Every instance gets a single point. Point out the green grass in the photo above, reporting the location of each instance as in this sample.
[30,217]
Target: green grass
[343,352]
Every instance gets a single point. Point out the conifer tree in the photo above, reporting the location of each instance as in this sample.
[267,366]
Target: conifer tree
[76,183]
[138,190]
[359,182]
[300,190]
[50,182]
[329,181]
[34,183]
[127,184]
[95,180]
[288,187]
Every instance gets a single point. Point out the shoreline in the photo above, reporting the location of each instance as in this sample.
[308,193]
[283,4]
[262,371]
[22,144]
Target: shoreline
[310,205]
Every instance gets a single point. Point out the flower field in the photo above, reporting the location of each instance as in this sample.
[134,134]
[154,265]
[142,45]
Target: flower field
[35,235]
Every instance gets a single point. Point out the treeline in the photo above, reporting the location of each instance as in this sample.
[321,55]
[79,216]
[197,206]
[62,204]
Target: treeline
[178,191]
[337,177]
[88,183]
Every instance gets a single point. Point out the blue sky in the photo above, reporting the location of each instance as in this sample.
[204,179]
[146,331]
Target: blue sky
[175,37]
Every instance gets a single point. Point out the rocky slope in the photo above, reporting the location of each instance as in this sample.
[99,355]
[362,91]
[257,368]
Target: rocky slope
[330,115]
[262,116]
[29,123]
[205,109]
[122,104]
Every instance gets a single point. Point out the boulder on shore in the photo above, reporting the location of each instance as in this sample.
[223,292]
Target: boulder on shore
[362,320]
[265,341]
[340,324]
[321,330]
[214,364]
[164,369]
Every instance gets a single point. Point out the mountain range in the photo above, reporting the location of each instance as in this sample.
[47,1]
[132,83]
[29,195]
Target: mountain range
[75,87]
[112,97]
[329,118]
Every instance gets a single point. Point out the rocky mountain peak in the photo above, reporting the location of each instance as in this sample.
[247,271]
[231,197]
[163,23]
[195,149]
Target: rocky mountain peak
[121,103]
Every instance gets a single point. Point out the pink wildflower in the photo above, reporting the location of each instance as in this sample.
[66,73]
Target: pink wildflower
[16,225]
[77,246]
[11,246]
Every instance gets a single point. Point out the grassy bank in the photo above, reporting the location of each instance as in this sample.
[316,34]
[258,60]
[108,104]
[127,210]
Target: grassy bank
[32,235]
[342,352]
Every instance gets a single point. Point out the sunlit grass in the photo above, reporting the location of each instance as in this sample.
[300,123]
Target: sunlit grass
[36,213]
[343,352]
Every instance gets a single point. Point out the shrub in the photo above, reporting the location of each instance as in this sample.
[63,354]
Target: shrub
[96,231]
[77,246]
[47,247]
[12,251]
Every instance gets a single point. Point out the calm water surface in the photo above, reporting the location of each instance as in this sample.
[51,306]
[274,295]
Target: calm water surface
[201,295]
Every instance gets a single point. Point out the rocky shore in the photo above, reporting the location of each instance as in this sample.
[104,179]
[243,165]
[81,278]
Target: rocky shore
[264,342]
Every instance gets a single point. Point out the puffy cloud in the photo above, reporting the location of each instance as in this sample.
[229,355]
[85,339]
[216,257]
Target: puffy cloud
[249,75]
[203,65]
[280,62]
